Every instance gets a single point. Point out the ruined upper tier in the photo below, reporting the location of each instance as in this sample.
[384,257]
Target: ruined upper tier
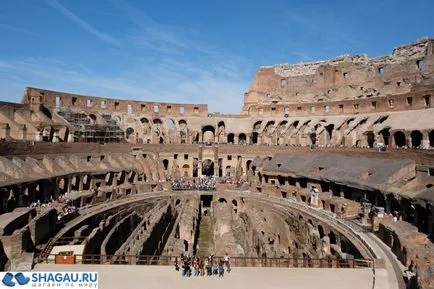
[339,79]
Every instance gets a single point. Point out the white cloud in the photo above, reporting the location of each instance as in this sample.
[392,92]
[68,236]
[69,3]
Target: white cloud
[167,64]
[20,30]
[85,25]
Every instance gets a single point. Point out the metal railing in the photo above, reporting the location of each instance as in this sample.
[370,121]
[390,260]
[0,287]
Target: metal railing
[235,261]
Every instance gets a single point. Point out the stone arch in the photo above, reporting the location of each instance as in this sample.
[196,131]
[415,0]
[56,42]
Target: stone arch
[431,138]
[255,137]
[185,170]
[92,118]
[329,130]
[170,124]
[321,231]
[385,135]
[143,120]
[157,121]
[370,139]
[242,138]
[332,237]
[222,201]
[248,163]
[399,138]
[129,132]
[416,138]
[228,171]
[231,138]
[312,138]
[166,164]
[208,133]
[208,167]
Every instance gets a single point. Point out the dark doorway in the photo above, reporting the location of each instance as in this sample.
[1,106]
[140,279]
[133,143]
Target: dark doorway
[208,167]
[399,137]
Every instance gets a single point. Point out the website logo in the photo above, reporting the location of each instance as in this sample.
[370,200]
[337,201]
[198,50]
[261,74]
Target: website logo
[11,280]
[59,280]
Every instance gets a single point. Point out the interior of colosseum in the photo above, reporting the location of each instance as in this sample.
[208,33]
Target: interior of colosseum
[325,160]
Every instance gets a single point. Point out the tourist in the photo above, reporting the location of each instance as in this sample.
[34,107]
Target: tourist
[196,266]
[208,267]
[227,262]
[221,269]
[201,267]
[215,269]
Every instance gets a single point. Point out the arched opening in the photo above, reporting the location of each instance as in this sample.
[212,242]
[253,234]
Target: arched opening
[416,138]
[248,163]
[321,231]
[242,138]
[129,132]
[370,139]
[223,201]
[343,246]
[92,119]
[235,206]
[143,120]
[399,138]
[208,167]
[231,138]
[255,137]
[431,138]
[166,164]
[208,134]
[183,133]
[385,134]
[228,172]
[312,137]
[329,129]
[170,124]
[185,246]
[185,170]
[332,237]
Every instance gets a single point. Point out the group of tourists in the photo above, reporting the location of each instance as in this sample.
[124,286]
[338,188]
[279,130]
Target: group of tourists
[203,183]
[195,266]
[234,181]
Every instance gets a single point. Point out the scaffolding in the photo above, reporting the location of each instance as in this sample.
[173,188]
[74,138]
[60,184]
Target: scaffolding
[86,128]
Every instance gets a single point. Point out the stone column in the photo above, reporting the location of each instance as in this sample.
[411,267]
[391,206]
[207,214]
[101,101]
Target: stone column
[38,136]
[425,140]
[70,137]
[235,139]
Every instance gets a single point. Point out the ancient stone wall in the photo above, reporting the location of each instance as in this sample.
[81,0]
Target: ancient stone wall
[339,79]
[57,99]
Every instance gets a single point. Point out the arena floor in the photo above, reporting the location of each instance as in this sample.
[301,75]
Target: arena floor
[156,277]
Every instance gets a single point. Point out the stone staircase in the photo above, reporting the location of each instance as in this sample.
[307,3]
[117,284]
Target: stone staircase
[205,242]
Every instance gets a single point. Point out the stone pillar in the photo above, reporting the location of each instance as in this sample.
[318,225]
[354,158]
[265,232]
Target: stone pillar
[408,141]
[199,168]
[235,139]
[248,138]
[325,245]
[425,140]
[70,137]
[38,136]
[69,184]
[80,183]
[56,136]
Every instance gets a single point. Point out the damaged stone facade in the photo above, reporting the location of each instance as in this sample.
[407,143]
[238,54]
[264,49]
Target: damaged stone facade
[305,146]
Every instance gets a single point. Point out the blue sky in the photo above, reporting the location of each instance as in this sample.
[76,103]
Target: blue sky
[187,51]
